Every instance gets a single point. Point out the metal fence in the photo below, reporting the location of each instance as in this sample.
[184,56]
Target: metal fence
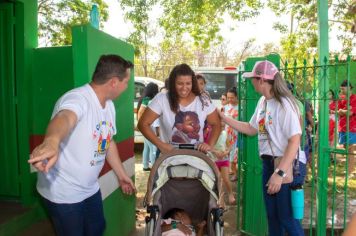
[330,188]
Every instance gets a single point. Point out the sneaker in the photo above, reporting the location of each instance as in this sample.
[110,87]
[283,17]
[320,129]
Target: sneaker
[146,169]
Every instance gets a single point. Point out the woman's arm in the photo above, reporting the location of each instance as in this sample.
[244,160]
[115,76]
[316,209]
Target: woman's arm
[275,181]
[144,125]
[214,121]
[240,126]
[140,112]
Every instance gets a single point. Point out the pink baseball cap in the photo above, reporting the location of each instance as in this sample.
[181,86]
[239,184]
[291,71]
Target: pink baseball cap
[262,69]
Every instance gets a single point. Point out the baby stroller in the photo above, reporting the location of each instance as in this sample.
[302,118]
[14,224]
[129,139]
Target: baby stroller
[186,179]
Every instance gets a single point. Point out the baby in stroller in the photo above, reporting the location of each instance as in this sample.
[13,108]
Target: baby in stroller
[177,222]
[189,180]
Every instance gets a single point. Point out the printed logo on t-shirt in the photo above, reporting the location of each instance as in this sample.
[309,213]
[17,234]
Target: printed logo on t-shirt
[102,135]
[262,127]
[186,127]
[262,132]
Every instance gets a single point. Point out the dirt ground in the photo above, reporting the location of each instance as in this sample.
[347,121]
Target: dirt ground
[230,212]
[141,181]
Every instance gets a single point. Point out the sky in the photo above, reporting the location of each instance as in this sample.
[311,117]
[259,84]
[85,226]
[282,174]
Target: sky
[258,28]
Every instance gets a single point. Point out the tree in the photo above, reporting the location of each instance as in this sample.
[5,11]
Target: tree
[56,17]
[201,19]
[137,12]
[301,36]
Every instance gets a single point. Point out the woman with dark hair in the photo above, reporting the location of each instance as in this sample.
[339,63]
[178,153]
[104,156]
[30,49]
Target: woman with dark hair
[181,112]
[277,125]
[149,150]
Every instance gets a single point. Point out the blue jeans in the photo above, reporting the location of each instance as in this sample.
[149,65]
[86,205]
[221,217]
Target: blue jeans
[278,207]
[85,218]
[149,153]
[299,179]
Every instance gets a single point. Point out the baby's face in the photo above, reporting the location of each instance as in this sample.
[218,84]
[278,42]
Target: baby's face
[184,218]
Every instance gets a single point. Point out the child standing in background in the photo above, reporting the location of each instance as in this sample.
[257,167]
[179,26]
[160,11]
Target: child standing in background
[231,110]
[222,151]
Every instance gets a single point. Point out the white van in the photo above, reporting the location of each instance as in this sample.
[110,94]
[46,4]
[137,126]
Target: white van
[140,84]
[218,80]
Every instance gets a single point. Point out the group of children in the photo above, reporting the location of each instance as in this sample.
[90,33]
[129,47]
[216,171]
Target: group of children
[225,148]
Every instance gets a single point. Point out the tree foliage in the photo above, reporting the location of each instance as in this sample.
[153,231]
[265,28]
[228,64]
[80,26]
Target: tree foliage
[201,19]
[56,17]
[301,35]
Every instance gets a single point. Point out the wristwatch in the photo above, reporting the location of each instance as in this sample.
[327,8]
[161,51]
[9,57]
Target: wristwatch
[280,172]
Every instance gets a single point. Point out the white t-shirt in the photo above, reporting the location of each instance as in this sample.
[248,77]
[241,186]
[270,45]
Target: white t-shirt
[187,125]
[281,122]
[82,154]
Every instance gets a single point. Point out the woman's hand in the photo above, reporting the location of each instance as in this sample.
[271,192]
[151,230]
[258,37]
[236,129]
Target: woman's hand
[274,184]
[165,147]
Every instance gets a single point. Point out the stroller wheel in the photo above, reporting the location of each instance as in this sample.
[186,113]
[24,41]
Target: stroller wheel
[217,214]
[150,224]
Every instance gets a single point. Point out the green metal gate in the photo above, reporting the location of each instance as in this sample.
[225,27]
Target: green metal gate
[330,194]
[9,168]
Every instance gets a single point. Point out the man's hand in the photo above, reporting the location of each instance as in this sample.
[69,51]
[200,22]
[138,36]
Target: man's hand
[44,156]
[274,184]
[127,185]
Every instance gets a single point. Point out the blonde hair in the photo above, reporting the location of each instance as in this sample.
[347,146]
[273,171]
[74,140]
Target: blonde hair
[279,90]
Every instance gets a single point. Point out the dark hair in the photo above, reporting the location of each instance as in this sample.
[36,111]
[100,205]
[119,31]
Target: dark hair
[200,76]
[179,118]
[109,66]
[346,83]
[172,213]
[179,70]
[166,81]
[150,91]
[332,94]
[232,90]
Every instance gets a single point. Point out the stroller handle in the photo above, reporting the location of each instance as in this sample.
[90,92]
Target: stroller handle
[185,146]
[189,146]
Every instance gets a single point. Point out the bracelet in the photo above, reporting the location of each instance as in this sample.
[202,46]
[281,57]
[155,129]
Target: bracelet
[174,224]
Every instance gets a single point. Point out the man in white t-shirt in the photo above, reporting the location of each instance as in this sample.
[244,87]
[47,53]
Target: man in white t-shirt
[78,140]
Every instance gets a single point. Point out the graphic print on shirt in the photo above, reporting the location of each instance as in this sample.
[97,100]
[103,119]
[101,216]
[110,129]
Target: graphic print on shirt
[262,132]
[102,136]
[186,128]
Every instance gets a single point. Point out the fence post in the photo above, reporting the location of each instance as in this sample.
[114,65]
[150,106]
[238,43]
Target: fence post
[323,160]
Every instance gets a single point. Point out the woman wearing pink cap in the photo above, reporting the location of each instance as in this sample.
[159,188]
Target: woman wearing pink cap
[277,124]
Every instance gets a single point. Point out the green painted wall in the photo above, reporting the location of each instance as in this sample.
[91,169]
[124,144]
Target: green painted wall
[25,39]
[119,210]
[253,212]
[88,45]
[52,77]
